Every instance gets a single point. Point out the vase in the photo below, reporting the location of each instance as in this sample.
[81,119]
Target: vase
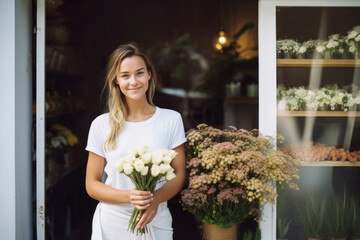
[328,55]
[357,53]
[213,232]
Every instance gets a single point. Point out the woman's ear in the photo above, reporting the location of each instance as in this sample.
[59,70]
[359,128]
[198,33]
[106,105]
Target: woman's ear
[149,75]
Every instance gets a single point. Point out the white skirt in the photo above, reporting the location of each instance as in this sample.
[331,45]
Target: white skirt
[110,222]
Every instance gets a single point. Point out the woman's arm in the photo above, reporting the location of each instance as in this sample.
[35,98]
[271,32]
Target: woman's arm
[104,193]
[169,189]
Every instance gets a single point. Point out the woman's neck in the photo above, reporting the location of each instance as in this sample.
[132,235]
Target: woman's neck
[139,111]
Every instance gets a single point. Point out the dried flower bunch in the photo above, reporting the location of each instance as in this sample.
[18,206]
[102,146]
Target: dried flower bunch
[330,97]
[312,151]
[229,174]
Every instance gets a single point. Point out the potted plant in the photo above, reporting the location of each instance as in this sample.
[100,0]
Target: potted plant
[229,174]
[283,223]
[338,219]
[355,218]
[312,215]
[283,227]
[249,235]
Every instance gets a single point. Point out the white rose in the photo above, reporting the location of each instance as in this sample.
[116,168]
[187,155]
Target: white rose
[128,168]
[320,48]
[55,143]
[167,159]
[129,159]
[172,154]
[138,151]
[164,168]
[170,175]
[357,28]
[139,165]
[352,34]
[302,49]
[156,157]
[119,165]
[146,158]
[332,44]
[142,150]
[144,171]
[352,48]
[341,50]
[155,170]
[357,39]
[62,140]
[334,36]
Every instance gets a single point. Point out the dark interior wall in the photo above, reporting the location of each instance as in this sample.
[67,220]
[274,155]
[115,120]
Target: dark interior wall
[103,25]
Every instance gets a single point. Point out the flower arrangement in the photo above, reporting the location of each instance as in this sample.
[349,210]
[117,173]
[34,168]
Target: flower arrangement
[352,40]
[229,174]
[336,46]
[287,48]
[145,169]
[58,139]
[313,151]
[329,97]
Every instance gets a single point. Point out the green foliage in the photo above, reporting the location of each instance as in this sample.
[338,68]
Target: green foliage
[283,227]
[223,66]
[338,218]
[178,62]
[312,214]
[224,215]
[249,235]
[283,223]
[355,217]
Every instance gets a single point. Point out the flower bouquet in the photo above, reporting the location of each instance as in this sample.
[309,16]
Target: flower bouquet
[145,169]
[229,173]
[58,140]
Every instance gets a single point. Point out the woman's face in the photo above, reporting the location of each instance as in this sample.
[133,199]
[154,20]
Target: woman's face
[133,78]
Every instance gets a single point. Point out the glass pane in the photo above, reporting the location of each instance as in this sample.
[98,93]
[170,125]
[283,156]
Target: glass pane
[67,121]
[319,115]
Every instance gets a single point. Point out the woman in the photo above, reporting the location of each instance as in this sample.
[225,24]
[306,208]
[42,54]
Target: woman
[133,120]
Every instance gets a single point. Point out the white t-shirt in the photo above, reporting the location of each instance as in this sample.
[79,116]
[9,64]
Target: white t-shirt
[164,129]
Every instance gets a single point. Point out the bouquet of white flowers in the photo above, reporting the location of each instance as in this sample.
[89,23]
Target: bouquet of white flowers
[145,169]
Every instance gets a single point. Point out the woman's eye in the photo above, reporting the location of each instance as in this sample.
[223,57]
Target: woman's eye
[140,73]
[124,76]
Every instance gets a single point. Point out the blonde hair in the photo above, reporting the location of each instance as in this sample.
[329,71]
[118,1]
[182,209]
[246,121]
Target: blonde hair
[116,102]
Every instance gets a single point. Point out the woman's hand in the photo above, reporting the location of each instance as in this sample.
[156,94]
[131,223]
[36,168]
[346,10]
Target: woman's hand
[141,199]
[148,214]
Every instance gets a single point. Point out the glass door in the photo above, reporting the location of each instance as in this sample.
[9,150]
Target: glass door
[318,113]
[63,207]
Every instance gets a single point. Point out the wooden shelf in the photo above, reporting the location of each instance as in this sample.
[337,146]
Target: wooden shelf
[318,62]
[241,100]
[318,113]
[329,164]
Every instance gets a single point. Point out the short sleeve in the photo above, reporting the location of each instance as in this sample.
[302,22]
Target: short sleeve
[95,141]
[178,134]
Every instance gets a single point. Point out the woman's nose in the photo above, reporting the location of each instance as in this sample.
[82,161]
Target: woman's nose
[133,80]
